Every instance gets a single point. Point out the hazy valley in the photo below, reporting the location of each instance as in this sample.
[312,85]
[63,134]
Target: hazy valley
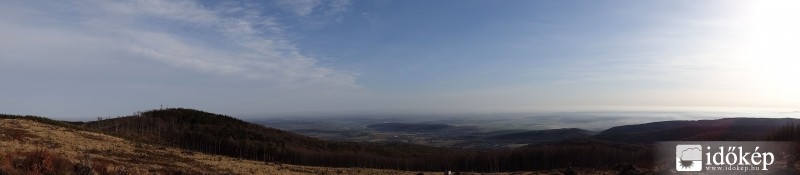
[477,131]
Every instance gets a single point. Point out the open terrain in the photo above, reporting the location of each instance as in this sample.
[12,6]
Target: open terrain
[71,148]
[186,141]
[34,145]
[112,155]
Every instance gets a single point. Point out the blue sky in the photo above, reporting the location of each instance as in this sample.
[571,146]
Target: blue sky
[313,57]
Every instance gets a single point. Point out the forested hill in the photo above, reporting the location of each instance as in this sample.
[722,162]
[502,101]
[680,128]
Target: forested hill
[728,129]
[206,132]
[219,134]
[39,146]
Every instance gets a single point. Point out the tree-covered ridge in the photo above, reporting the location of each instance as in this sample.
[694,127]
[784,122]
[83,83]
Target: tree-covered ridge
[206,132]
[219,134]
[72,125]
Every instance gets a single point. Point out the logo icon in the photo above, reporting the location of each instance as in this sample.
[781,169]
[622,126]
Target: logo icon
[689,157]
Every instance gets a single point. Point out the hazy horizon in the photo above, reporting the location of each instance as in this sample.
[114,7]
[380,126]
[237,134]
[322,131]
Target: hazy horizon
[593,120]
[86,59]
[588,120]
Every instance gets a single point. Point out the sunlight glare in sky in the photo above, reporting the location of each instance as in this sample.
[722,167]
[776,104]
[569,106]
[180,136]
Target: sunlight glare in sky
[771,46]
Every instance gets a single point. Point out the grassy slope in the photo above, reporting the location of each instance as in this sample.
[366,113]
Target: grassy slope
[20,135]
[78,145]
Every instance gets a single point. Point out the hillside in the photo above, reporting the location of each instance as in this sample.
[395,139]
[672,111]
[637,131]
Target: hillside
[34,145]
[64,150]
[207,132]
[197,142]
[729,129]
[223,135]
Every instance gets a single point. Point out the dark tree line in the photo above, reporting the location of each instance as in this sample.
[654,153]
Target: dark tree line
[789,132]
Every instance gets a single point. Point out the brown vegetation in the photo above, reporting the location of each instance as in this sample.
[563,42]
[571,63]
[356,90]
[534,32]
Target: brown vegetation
[184,141]
[223,135]
[83,152]
[188,140]
[34,163]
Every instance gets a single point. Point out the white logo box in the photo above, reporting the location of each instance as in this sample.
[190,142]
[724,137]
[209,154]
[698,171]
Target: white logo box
[725,157]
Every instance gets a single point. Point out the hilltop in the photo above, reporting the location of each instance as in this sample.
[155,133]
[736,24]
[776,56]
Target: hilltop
[727,129]
[35,145]
[224,135]
[67,150]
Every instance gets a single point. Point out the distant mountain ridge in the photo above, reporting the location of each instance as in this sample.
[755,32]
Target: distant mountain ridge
[729,129]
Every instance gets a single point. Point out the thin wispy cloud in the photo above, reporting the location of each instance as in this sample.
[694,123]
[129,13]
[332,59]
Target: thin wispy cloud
[312,7]
[252,47]
[114,57]
[299,7]
[342,56]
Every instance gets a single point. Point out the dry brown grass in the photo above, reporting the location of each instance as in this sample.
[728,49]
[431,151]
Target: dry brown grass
[109,155]
[112,154]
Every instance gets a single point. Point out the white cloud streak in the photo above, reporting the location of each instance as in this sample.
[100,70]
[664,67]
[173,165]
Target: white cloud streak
[188,35]
[88,58]
[315,8]
[299,7]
